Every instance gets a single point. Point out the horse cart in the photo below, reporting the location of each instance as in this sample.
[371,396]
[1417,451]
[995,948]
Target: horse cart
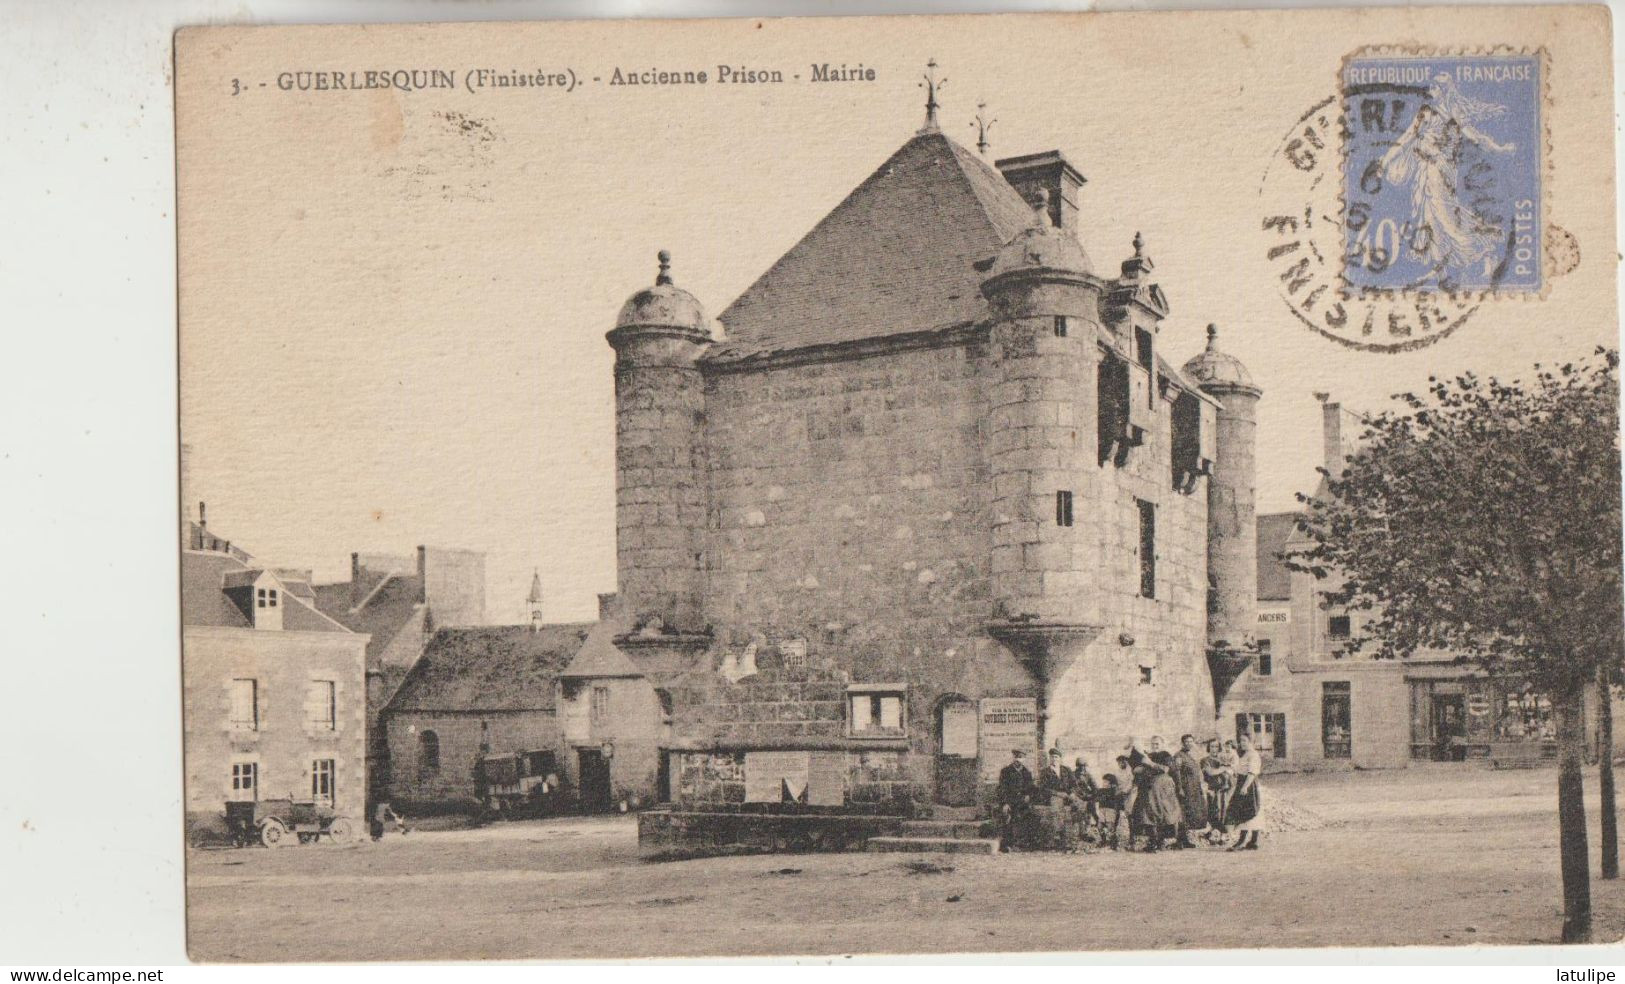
[278,822]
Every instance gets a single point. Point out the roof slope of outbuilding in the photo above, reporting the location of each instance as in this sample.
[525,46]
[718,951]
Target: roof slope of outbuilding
[490,668]
[1274,580]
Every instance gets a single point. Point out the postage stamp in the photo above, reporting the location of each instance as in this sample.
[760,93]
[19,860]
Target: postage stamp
[1442,171]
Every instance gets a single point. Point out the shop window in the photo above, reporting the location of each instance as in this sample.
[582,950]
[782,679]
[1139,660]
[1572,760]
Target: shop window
[1336,716]
[1267,731]
[1526,717]
[428,753]
[1265,662]
[245,711]
[1063,508]
[321,780]
[877,710]
[321,705]
[245,782]
[1148,548]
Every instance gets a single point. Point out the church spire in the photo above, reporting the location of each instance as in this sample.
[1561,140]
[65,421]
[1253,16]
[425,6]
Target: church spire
[534,600]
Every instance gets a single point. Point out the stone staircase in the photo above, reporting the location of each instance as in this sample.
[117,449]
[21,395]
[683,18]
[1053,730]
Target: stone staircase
[951,830]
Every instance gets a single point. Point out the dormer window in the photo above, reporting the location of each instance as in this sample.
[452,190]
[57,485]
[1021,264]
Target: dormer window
[266,598]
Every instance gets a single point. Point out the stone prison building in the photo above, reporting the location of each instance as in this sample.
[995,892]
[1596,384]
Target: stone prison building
[933,492]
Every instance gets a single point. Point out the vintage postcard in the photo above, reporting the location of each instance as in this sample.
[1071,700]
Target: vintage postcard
[899,485]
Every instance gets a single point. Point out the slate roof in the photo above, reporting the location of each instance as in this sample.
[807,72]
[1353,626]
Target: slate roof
[490,668]
[895,257]
[600,657]
[1274,580]
[207,596]
[391,601]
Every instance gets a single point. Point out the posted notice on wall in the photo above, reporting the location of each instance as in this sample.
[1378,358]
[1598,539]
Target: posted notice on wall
[1007,723]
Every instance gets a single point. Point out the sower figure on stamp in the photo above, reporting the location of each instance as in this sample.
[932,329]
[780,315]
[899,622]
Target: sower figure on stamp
[1015,801]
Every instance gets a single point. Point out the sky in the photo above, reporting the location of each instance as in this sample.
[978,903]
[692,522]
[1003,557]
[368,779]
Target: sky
[393,304]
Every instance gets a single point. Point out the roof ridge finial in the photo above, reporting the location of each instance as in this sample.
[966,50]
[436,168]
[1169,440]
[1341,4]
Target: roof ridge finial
[982,127]
[1139,244]
[1212,337]
[932,86]
[663,279]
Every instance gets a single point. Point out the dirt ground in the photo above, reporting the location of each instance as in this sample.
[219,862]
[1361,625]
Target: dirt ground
[1433,855]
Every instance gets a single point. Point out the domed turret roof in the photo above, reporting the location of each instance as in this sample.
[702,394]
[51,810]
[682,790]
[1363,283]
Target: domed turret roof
[664,304]
[1215,368]
[1040,246]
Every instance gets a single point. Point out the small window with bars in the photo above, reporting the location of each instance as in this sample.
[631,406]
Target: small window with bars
[1063,508]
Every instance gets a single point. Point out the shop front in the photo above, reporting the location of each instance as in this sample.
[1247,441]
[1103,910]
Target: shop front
[1461,718]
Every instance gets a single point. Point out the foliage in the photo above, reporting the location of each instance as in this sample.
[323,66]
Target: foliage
[1482,519]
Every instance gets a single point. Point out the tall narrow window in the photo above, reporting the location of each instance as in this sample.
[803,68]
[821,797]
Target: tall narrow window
[428,753]
[260,598]
[321,705]
[321,780]
[1142,347]
[1265,665]
[1148,548]
[245,712]
[1336,716]
[600,703]
[1060,326]
[1063,508]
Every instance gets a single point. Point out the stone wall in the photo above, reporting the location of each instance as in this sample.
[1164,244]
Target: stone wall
[850,517]
[463,737]
[286,742]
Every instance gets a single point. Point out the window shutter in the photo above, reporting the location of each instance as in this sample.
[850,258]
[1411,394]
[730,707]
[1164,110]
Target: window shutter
[1241,725]
[1280,736]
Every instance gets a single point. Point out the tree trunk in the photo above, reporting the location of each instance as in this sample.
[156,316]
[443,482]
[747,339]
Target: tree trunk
[1605,772]
[1569,708]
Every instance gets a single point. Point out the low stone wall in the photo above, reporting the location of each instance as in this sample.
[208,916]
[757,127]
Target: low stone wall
[675,835]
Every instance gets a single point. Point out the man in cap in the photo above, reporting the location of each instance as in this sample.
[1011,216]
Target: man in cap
[1015,800]
[1054,790]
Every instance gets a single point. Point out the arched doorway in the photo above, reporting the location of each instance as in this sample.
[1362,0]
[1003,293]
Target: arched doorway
[956,751]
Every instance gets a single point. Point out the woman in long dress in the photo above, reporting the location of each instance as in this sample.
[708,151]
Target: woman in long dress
[1156,809]
[1246,801]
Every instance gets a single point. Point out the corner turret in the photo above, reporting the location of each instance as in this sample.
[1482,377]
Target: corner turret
[660,498]
[1232,525]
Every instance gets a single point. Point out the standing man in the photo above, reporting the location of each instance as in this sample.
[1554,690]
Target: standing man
[1015,800]
[1192,796]
[1054,786]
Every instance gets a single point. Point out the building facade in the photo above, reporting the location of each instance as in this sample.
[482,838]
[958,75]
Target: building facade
[399,601]
[477,693]
[936,494]
[1311,700]
[273,690]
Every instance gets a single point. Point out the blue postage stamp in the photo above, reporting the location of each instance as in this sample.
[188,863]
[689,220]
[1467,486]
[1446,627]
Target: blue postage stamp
[1442,172]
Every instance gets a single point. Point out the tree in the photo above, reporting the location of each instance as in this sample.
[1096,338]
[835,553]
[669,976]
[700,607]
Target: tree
[1605,769]
[1482,519]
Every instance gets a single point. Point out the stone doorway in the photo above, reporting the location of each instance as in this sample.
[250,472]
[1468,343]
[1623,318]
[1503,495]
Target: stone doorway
[957,767]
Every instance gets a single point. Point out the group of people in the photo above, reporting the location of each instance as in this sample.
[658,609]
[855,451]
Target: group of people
[1158,799]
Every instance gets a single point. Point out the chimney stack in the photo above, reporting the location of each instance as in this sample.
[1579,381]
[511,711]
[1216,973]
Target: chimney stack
[1050,172]
[423,569]
[355,579]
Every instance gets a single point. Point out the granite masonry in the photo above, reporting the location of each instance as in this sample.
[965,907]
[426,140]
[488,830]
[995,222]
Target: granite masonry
[935,493]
